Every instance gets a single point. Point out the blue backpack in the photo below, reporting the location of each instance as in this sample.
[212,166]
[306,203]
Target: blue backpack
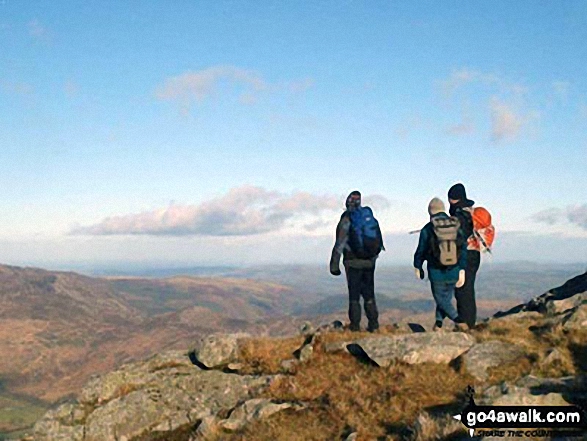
[365,239]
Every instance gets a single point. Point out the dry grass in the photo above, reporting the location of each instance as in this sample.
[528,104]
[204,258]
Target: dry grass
[538,339]
[264,355]
[343,395]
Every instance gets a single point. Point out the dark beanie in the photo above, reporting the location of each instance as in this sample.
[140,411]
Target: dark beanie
[457,192]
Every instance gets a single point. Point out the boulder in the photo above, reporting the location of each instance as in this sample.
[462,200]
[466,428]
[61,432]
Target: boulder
[164,394]
[483,356]
[555,307]
[412,348]
[535,391]
[252,410]
[217,350]
[576,319]
[101,389]
[207,429]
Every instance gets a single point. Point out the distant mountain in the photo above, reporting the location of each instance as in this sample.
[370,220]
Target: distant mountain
[57,329]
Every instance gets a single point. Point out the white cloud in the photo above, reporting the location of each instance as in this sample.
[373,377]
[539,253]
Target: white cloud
[578,215]
[198,86]
[575,215]
[506,123]
[38,31]
[550,216]
[243,211]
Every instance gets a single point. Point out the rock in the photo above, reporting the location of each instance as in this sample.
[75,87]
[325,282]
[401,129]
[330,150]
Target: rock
[304,352]
[521,396]
[335,346]
[306,329]
[555,307]
[483,356]
[133,376]
[217,350]
[251,410]
[289,365]
[164,394]
[531,390]
[207,429]
[352,437]
[412,348]
[427,427]
[576,319]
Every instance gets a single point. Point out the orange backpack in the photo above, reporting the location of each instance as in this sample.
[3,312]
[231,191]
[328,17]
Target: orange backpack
[483,229]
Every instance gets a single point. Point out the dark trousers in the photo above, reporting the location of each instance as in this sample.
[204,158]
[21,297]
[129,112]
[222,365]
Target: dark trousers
[361,283]
[465,295]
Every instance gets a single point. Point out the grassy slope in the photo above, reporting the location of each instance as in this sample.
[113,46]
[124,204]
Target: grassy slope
[343,395]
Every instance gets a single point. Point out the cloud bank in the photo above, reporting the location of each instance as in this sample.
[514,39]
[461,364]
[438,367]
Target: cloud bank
[576,215]
[243,211]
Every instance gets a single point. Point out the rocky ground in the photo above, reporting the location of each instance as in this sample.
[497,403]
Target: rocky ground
[328,383]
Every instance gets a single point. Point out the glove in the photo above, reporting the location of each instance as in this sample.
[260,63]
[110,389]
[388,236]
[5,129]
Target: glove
[461,280]
[419,273]
[335,268]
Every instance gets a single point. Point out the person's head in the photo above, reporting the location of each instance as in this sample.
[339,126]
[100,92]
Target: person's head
[435,206]
[457,195]
[353,200]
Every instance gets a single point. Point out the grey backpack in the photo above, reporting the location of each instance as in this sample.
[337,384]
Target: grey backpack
[446,246]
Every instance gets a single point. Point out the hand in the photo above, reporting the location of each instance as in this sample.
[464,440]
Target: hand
[461,280]
[419,273]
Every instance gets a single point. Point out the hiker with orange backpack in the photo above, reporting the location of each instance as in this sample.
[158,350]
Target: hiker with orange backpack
[477,227]
[443,246]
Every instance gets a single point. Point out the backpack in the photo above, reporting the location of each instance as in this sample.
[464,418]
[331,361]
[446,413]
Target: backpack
[446,240]
[483,229]
[365,239]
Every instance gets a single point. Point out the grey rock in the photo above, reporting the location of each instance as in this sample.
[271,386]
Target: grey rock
[555,307]
[352,437]
[483,356]
[251,410]
[207,429]
[576,319]
[521,396]
[101,389]
[163,394]
[413,348]
[289,365]
[218,350]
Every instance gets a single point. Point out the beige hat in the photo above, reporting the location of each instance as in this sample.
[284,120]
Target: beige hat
[435,206]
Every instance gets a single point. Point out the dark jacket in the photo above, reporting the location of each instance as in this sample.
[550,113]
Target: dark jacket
[341,247]
[437,272]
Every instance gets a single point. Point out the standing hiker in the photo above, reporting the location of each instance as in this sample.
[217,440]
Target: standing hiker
[462,208]
[359,241]
[443,245]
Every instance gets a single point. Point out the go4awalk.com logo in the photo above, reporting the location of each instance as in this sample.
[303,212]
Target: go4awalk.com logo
[522,421]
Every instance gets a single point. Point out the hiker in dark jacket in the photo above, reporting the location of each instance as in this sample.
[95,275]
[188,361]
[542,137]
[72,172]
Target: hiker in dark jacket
[360,272]
[461,207]
[442,278]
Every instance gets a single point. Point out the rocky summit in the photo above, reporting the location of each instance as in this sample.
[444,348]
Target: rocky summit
[330,384]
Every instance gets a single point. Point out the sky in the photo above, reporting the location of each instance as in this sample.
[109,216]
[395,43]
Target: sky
[229,132]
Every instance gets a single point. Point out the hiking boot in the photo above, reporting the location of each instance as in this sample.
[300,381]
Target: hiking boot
[461,327]
[437,326]
[373,328]
[354,327]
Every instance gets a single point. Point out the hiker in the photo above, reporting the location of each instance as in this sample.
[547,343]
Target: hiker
[462,208]
[359,241]
[444,247]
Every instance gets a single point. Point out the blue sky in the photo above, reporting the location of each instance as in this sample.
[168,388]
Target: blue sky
[191,132]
